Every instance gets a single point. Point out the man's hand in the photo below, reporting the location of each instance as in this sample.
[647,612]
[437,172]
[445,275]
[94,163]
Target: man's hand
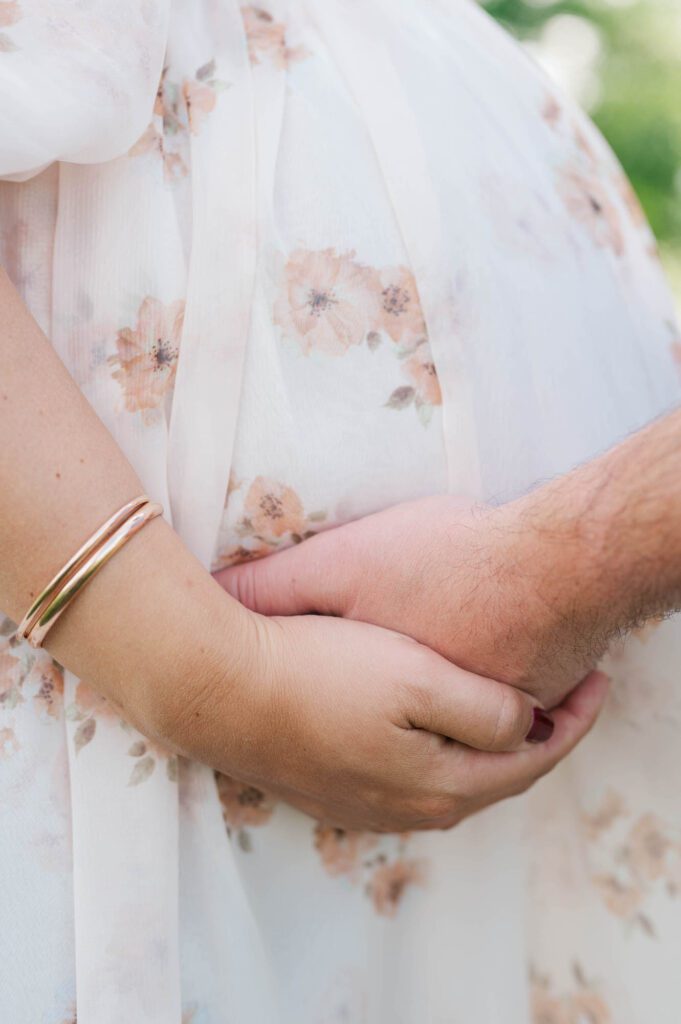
[457,578]
[530,593]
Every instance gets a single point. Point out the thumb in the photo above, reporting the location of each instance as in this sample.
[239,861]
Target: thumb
[302,579]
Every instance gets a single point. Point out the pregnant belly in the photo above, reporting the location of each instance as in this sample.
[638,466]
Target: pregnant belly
[457,289]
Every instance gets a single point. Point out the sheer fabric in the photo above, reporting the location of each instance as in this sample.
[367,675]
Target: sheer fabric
[307,260]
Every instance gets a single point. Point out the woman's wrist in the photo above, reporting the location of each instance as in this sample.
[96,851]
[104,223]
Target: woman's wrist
[155,634]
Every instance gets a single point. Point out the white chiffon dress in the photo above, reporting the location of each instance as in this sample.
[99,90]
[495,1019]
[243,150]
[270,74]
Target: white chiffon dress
[307,260]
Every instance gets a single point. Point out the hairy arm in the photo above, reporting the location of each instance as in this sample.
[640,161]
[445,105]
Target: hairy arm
[530,593]
[607,537]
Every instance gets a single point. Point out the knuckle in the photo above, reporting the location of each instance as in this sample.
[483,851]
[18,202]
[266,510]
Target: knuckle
[512,721]
[244,585]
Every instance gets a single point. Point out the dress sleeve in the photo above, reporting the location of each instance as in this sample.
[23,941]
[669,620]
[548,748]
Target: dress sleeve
[77,80]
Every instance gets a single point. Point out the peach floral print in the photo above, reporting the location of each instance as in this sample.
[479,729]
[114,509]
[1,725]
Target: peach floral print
[551,110]
[86,704]
[400,315]
[635,858]
[243,807]
[266,39]
[389,882]
[146,754]
[11,678]
[89,708]
[10,12]
[586,183]
[420,369]
[146,356]
[200,94]
[327,302]
[364,857]
[330,302]
[584,1005]
[273,515]
[629,198]
[179,108]
[340,850]
[26,674]
[50,688]
[9,744]
[589,203]
[273,509]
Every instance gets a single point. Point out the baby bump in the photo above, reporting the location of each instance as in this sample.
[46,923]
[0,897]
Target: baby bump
[476,283]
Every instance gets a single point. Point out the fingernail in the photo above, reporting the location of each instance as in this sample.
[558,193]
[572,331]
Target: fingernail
[542,727]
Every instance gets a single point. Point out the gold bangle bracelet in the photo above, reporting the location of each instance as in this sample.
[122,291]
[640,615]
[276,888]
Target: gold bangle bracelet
[87,569]
[94,540]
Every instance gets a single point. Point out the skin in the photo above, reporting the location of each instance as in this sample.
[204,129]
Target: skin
[357,725]
[530,593]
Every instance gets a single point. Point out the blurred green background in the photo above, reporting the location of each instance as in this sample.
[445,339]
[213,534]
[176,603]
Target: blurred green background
[621,59]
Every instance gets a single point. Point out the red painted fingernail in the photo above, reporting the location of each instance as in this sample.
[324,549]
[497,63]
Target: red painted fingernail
[542,727]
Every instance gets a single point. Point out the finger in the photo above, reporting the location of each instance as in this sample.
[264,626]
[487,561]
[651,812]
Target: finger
[499,774]
[471,709]
[305,578]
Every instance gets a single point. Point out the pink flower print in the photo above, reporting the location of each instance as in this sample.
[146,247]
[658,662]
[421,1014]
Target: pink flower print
[200,94]
[9,673]
[327,302]
[589,204]
[389,882]
[266,39]
[420,369]
[341,850]
[547,1009]
[273,509]
[89,707]
[630,199]
[146,358]
[400,313]
[551,111]
[588,1008]
[10,12]
[243,804]
[622,898]
[238,553]
[648,847]
[9,744]
[51,687]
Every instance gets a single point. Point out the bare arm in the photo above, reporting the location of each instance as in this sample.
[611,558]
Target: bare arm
[344,720]
[61,475]
[612,531]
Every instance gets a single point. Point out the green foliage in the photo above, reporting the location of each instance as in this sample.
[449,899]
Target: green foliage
[638,107]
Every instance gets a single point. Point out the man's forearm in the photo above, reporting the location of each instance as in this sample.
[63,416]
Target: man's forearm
[608,534]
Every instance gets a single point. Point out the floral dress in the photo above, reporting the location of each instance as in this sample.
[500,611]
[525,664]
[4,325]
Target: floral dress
[307,260]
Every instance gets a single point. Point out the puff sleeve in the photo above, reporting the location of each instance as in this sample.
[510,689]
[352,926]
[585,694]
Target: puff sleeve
[77,81]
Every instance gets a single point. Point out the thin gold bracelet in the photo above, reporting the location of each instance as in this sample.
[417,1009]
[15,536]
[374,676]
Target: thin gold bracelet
[54,600]
[105,530]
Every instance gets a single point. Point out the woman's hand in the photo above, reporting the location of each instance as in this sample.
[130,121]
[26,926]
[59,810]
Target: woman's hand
[367,729]
[343,719]
[481,586]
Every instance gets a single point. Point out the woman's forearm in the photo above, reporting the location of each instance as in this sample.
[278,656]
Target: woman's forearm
[152,615]
[342,719]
